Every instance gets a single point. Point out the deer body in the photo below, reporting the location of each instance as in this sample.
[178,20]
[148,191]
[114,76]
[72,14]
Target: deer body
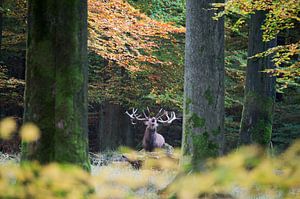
[152,139]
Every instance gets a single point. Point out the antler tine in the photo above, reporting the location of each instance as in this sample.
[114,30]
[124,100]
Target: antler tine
[170,118]
[133,112]
[145,115]
[157,115]
[134,116]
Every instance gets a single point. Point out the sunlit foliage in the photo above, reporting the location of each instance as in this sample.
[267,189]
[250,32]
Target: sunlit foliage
[67,181]
[29,132]
[118,180]
[7,127]
[246,173]
[10,88]
[123,32]
[281,15]
[132,55]
[14,25]
[12,50]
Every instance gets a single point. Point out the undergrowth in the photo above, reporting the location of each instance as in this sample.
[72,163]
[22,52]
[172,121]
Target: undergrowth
[249,170]
[164,10]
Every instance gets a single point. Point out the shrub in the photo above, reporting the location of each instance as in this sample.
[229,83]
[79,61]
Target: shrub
[249,170]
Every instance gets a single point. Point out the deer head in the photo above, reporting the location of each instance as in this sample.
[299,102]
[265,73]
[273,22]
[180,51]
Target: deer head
[152,139]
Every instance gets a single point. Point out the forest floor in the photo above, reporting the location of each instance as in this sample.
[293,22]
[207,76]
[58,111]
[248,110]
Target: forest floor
[113,166]
[116,177]
[110,167]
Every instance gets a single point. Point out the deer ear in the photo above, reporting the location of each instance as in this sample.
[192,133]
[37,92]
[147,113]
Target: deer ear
[146,123]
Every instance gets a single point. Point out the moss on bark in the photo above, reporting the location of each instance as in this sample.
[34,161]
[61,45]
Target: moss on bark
[257,119]
[204,148]
[208,96]
[56,81]
[196,121]
[203,122]
[199,146]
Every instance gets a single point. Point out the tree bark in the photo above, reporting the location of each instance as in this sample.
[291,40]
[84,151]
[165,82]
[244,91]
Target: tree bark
[203,125]
[257,117]
[115,128]
[56,81]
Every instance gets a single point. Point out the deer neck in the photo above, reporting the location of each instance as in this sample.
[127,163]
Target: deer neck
[150,130]
[149,139]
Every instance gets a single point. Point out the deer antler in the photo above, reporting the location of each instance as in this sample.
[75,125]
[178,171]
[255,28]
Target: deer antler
[158,114]
[134,116]
[145,115]
[170,118]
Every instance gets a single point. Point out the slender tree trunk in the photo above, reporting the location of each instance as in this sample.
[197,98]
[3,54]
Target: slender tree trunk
[257,117]
[56,81]
[203,125]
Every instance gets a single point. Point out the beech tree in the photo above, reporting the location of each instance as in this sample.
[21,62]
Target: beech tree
[56,81]
[257,117]
[204,84]
[280,16]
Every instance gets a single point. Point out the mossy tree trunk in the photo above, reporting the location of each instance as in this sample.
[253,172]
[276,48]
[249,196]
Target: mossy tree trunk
[257,117]
[203,125]
[56,81]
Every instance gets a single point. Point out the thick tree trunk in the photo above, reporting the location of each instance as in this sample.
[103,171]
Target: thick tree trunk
[56,81]
[203,125]
[257,117]
[115,128]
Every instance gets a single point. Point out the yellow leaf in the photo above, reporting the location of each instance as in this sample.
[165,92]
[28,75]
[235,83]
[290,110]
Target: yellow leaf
[29,132]
[7,127]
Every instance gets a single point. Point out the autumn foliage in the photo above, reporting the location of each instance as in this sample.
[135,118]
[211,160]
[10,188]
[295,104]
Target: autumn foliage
[122,34]
[131,56]
[281,17]
[124,45]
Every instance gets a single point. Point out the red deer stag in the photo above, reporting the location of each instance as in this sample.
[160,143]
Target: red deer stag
[152,139]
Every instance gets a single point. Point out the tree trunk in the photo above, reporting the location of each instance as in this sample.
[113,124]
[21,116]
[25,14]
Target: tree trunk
[56,81]
[114,127]
[257,117]
[203,125]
